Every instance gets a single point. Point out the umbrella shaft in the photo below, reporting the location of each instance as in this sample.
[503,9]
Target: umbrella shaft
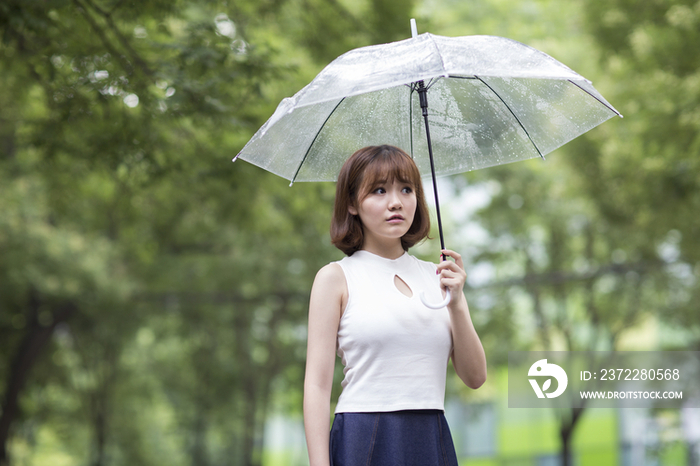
[423,95]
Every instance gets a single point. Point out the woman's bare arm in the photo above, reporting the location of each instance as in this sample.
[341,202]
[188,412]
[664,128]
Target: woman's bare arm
[468,354]
[328,298]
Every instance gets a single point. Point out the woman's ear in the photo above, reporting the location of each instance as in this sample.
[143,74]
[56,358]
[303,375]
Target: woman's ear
[352,210]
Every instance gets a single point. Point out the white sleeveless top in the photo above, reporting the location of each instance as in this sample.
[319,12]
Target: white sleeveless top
[395,350]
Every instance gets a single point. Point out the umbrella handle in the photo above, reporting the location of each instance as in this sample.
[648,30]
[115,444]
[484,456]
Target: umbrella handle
[443,303]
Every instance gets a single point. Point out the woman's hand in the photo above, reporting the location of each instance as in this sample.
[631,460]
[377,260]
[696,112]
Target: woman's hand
[452,274]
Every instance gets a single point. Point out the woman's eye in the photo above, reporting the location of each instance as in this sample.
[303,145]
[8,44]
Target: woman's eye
[380,190]
[407,190]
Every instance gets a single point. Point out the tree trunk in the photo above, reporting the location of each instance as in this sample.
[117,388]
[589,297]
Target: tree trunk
[100,425]
[533,288]
[27,354]
[566,434]
[693,453]
[199,454]
[249,419]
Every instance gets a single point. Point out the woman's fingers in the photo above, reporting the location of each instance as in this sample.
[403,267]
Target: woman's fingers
[452,274]
[457,265]
[455,255]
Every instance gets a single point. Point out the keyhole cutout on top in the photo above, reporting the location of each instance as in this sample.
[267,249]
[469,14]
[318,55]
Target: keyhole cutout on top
[402,286]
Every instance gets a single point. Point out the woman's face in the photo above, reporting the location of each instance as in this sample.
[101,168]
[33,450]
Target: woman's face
[387,212]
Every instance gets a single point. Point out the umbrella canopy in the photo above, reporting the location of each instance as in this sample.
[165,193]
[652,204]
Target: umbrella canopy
[492,101]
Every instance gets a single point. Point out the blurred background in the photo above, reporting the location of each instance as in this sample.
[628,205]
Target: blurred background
[153,295]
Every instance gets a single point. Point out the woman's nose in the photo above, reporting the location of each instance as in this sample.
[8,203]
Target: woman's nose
[394,200]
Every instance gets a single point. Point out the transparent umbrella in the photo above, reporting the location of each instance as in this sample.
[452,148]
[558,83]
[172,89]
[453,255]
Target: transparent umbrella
[492,101]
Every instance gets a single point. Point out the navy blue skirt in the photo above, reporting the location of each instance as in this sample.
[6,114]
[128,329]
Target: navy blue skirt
[399,438]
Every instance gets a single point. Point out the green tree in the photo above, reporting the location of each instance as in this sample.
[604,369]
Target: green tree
[109,106]
[644,171]
[575,282]
[583,253]
[153,294]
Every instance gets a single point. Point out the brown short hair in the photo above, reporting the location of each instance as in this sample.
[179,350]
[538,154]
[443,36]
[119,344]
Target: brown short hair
[359,174]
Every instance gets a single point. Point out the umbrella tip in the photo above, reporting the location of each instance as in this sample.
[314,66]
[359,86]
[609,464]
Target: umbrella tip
[236,157]
[414,29]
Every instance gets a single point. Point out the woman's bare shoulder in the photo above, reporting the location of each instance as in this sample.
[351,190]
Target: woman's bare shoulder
[331,272]
[330,285]
[331,277]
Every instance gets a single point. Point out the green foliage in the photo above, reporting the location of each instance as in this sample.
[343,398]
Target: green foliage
[153,295]
[646,173]
[585,247]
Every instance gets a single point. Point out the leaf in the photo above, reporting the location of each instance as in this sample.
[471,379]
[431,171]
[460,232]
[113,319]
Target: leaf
[546,385]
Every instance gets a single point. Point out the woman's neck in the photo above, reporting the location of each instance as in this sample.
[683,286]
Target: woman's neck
[388,250]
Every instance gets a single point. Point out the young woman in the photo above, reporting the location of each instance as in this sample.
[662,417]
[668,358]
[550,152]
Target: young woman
[366,309]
